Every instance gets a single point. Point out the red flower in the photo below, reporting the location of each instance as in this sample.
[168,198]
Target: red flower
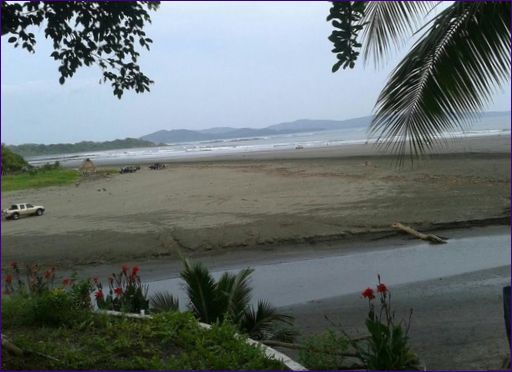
[8,278]
[99,295]
[368,293]
[135,270]
[124,268]
[14,265]
[48,274]
[381,288]
[118,291]
[66,282]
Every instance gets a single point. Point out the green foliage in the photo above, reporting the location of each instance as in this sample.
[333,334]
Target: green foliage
[86,33]
[169,341]
[387,348]
[228,299]
[32,298]
[17,310]
[35,281]
[266,323]
[11,162]
[163,301]
[126,292]
[449,75]
[53,308]
[31,149]
[38,179]
[325,352]
[346,17]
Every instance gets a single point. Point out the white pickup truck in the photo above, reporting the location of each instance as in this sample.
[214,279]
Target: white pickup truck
[22,209]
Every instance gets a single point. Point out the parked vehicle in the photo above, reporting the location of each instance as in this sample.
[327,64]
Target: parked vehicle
[157,166]
[129,169]
[15,211]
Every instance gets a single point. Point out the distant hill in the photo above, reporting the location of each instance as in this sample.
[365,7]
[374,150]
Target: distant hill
[303,125]
[32,149]
[297,126]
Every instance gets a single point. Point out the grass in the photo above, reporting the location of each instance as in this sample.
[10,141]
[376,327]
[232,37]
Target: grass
[169,341]
[43,178]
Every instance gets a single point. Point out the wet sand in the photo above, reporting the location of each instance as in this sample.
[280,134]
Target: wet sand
[294,199]
[457,321]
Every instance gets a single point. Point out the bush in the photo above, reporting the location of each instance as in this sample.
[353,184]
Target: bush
[125,292]
[53,308]
[325,351]
[17,310]
[12,162]
[169,341]
[33,298]
[386,347]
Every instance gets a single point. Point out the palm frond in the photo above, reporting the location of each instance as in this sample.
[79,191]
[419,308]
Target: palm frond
[235,293]
[259,323]
[448,76]
[201,291]
[388,23]
[164,301]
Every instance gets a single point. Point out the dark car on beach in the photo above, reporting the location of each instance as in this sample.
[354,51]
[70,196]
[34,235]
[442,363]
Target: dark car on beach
[157,166]
[129,170]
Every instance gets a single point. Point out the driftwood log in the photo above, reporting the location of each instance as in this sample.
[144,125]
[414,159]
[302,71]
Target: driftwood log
[409,230]
[10,347]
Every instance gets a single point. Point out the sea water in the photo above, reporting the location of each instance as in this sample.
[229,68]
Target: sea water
[201,149]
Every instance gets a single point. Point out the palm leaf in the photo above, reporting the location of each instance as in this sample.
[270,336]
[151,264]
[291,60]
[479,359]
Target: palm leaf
[201,291]
[164,301]
[235,293]
[448,76]
[388,24]
[260,323]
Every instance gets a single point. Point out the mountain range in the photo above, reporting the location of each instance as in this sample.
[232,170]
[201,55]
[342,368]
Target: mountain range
[297,126]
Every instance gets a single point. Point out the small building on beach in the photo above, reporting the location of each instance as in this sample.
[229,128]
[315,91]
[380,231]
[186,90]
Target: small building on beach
[87,167]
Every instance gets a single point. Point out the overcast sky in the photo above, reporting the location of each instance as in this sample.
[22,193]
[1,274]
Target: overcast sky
[214,64]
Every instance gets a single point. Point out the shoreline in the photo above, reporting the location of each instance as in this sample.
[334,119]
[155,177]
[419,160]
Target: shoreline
[311,198]
[450,145]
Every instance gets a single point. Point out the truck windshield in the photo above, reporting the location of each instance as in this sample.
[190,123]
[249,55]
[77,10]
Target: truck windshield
[14,206]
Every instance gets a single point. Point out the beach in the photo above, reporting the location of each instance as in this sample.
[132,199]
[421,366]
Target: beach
[298,198]
[269,208]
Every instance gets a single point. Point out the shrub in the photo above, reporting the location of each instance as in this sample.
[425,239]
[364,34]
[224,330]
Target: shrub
[325,351]
[125,292]
[33,283]
[11,162]
[53,308]
[34,299]
[164,301]
[387,347]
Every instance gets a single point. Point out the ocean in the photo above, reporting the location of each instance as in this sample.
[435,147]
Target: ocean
[201,149]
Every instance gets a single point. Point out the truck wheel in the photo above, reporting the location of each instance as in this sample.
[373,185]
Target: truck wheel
[15,216]
[39,212]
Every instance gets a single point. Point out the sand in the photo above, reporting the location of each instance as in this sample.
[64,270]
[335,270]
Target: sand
[259,202]
[457,322]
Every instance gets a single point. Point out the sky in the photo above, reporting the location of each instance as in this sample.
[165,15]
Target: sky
[239,64]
